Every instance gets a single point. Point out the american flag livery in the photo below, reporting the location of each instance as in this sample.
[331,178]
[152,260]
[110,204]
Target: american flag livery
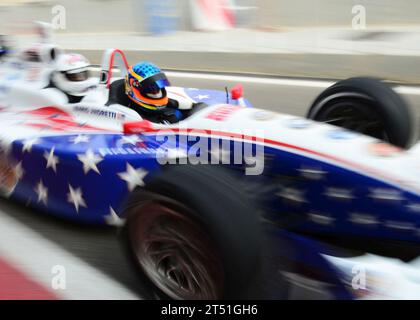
[84,169]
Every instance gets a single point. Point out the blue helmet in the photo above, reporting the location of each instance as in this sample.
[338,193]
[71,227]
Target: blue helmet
[145,85]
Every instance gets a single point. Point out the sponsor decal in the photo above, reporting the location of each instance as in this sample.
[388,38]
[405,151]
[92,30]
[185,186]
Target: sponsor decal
[223,112]
[342,134]
[100,112]
[383,149]
[126,151]
[298,123]
[8,177]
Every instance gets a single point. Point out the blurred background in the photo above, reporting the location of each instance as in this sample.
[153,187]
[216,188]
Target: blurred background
[164,16]
[302,38]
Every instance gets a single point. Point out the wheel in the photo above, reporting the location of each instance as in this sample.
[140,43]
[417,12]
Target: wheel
[367,106]
[193,234]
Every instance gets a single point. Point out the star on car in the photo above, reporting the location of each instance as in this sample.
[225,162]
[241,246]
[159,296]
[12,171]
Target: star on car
[42,192]
[133,140]
[90,161]
[81,138]
[19,171]
[133,177]
[28,144]
[52,160]
[113,219]
[202,97]
[75,197]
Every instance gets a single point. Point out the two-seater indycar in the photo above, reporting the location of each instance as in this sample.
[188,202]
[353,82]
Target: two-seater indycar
[233,201]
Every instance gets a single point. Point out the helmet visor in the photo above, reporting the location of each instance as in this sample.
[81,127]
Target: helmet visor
[152,87]
[162,83]
[77,76]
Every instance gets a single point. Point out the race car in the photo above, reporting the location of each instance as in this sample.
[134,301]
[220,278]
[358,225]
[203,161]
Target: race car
[234,201]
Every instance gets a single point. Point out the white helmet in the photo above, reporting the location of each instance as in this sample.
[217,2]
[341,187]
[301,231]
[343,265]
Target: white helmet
[72,75]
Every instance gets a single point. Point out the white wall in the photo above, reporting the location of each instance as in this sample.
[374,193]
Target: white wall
[131,16]
[303,13]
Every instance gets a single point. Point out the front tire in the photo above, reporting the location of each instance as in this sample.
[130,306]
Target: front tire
[192,233]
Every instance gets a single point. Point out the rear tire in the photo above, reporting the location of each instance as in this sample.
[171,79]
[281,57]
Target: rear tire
[367,106]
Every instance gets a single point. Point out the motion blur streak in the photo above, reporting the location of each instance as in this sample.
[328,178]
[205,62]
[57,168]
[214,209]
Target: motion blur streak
[29,252]
[276,81]
[16,285]
[270,81]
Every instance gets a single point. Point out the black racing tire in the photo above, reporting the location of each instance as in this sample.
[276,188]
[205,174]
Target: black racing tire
[205,208]
[367,106]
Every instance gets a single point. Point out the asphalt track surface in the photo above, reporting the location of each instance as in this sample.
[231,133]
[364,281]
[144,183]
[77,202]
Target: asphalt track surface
[95,266]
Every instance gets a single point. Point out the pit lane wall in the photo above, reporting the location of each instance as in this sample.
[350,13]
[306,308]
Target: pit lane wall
[319,66]
[116,19]
[155,16]
[279,14]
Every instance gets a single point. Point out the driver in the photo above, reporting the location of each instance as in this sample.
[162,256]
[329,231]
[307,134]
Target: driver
[145,87]
[71,76]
